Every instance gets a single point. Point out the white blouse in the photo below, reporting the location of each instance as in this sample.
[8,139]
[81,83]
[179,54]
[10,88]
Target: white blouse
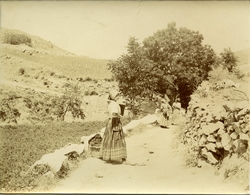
[113,107]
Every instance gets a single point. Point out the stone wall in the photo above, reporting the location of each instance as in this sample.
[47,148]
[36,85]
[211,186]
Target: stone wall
[217,123]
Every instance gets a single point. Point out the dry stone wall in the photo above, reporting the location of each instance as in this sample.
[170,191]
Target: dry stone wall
[217,124]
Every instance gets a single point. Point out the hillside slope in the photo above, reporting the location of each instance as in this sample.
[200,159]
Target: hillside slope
[21,50]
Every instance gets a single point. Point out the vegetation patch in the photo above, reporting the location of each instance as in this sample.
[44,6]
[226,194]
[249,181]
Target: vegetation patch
[21,146]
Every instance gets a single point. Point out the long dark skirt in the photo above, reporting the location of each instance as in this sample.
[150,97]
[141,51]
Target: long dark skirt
[113,145]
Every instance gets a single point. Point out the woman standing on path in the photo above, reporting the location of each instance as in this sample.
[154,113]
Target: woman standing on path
[176,117]
[166,110]
[113,147]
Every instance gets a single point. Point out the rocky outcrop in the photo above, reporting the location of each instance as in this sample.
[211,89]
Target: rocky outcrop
[57,163]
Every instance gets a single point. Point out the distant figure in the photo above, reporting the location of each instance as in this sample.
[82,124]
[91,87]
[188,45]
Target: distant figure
[113,147]
[177,115]
[166,111]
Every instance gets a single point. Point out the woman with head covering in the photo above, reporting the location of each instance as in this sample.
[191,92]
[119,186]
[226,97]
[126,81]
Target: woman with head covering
[176,119]
[113,147]
[166,111]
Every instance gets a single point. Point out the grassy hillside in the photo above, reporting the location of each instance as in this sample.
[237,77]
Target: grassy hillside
[21,50]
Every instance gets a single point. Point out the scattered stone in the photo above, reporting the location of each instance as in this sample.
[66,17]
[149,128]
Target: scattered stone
[236,127]
[234,135]
[211,147]
[212,127]
[226,141]
[98,176]
[49,175]
[209,156]
[203,140]
[211,138]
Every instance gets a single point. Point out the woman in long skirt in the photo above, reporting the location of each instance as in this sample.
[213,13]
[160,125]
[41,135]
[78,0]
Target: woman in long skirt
[177,118]
[165,118]
[113,147]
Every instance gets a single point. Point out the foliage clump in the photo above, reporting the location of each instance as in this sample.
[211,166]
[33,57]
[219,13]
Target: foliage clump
[172,61]
[8,108]
[17,39]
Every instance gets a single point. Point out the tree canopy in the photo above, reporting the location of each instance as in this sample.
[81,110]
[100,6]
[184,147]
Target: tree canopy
[228,59]
[171,61]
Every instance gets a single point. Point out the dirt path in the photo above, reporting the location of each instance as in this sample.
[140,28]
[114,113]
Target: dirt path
[155,167]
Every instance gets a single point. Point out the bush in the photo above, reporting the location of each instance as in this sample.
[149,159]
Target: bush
[109,79]
[8,110]
[87,79]
[21,71]
[17,39]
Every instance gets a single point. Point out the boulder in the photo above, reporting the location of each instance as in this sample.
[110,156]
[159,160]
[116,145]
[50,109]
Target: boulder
[234,135]
[203,140]
[212,127]
[240,146]
[219,113]
[246,118]
[230,129]
[229,106]
[236,127]
[72,148]
[150,118]
[93,93]
[229,119]
[53,160]
[211,138]
[244,136]
[131,125]
[219,144]
[226,141]
[241,105]
[211,147]
[209,156]
[49,175]
[246,128]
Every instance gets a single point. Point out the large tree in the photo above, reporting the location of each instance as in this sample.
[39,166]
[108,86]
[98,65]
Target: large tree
[132,71]
[182,62]
[172,61]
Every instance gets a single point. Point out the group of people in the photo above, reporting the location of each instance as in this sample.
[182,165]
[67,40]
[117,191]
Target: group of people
[113,146]
[168,115]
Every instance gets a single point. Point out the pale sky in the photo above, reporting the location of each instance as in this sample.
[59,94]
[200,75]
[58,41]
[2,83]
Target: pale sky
[100,29]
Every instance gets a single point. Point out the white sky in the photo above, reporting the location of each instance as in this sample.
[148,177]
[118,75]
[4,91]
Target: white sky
[100,29]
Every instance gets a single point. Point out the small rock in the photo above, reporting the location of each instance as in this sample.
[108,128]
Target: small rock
[212,127]
[211,147]
[234,135]
[226,141]
[219,145]
[98,176]
[236,127]
[211,138]
[49,175]
[230,129]
[209,156]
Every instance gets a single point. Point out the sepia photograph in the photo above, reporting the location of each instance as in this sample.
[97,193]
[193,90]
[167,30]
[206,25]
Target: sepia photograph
[125,97]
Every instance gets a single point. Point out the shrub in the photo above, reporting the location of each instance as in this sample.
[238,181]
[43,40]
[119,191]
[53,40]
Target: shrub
[17,39]
[228,60]
[21,71]
[109,79]
[52,74]
[8,110]
[86,93]
[87,79]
